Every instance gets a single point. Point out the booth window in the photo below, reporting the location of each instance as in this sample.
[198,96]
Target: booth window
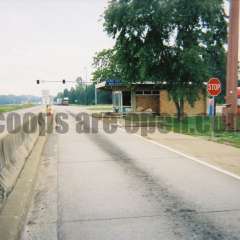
[154,92]
[126,98]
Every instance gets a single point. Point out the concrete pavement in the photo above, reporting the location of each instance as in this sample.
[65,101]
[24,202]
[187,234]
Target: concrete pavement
[118,186]
[220,155]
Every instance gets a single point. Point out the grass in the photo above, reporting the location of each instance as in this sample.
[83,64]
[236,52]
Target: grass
[13,107]
[100,107]
[194,126]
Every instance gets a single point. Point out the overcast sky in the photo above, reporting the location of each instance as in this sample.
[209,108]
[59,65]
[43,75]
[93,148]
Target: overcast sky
[50,40]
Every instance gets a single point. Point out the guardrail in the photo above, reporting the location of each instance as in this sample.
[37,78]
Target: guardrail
[15,148]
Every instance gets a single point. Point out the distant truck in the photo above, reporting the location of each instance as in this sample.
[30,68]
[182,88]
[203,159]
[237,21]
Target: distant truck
[65,101]
[59,101]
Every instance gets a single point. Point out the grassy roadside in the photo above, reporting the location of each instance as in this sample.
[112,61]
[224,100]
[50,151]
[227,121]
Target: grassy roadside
[13,107]
[195,126]
[100,107]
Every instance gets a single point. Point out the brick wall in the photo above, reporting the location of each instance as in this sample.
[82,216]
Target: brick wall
[147,101]
[168,107]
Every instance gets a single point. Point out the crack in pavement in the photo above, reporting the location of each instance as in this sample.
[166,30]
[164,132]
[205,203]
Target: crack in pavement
[138,217]
[129,217]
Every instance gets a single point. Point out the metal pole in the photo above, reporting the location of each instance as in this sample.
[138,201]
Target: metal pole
[95,95]
[232,65]
[213,116]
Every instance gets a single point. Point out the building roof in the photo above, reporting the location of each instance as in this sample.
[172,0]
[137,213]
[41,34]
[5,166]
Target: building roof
[119,85]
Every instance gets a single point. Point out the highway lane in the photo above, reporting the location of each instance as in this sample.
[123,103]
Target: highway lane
[118,186]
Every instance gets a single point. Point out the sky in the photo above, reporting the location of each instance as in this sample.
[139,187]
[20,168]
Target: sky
[48,40]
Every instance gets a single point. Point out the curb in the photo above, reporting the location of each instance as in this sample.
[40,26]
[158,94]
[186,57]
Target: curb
[13,214]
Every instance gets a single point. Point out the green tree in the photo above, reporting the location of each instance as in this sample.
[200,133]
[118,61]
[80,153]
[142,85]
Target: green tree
[200,32]
[177,41]
[66,93]
[141,30]
[105,65]
[85,95]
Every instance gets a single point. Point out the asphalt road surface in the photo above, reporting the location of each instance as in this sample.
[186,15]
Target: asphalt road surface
[100,186]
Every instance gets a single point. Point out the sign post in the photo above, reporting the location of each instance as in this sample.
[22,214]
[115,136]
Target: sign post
[214,88]
[46,98]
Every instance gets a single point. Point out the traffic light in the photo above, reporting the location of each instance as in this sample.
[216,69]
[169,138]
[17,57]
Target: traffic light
[38,81]
[63,81]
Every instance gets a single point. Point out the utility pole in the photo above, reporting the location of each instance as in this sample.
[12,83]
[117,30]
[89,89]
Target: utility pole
[232,65]
[96,95]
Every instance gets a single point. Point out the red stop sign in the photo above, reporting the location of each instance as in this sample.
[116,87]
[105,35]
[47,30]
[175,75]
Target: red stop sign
[214,87]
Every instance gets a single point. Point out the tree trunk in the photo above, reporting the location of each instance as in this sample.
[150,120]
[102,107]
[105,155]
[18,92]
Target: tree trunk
[180,109]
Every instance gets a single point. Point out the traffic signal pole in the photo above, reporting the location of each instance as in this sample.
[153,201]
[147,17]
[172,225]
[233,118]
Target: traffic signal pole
[232,65]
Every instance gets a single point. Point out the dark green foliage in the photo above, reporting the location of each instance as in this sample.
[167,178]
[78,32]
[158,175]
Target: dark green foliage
[105,66]
[140,29]
[201,32]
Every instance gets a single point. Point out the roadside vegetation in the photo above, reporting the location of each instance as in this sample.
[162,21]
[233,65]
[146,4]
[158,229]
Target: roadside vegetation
[101,107]
[13,107]
[200,126]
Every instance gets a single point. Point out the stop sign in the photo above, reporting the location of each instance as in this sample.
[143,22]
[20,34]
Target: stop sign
[214,87]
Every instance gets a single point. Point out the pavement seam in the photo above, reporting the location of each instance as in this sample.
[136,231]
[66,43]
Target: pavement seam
[80,162]
[145,216]
[110,219]
[127,218]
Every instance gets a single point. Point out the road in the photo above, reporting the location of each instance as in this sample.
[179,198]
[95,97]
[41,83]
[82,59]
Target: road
[121,187]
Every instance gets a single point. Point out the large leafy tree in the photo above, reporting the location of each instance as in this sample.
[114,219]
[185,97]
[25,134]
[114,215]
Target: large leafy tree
[177,41]
[105,66]
[141,30]
[200,32]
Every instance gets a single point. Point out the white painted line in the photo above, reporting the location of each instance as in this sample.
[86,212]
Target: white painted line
[189,157]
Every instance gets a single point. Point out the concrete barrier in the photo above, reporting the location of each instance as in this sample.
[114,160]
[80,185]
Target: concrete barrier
[14,150]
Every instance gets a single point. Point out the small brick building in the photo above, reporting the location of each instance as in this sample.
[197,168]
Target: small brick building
[147,97]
